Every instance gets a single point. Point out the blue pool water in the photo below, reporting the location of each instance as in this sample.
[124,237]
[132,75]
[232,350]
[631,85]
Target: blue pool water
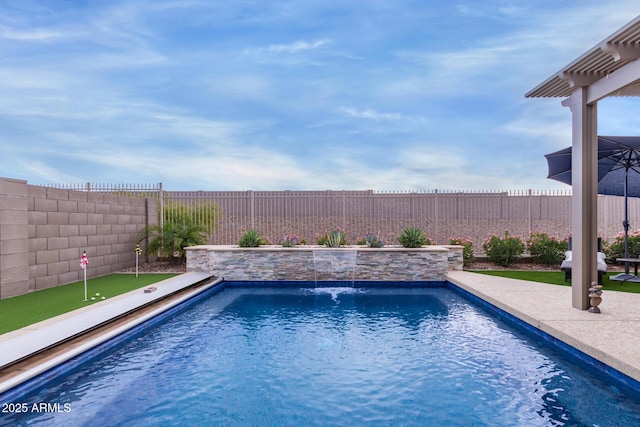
[304,357]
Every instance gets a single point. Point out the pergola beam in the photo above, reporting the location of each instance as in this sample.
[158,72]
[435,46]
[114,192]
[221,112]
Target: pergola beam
[621,51]
[612,83]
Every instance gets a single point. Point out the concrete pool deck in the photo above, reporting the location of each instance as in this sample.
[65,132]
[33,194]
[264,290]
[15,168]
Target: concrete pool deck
[610,337]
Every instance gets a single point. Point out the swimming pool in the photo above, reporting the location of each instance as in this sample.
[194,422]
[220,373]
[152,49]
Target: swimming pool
[303,356]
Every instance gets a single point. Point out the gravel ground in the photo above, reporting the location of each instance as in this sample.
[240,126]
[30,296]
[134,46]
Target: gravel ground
[158,267]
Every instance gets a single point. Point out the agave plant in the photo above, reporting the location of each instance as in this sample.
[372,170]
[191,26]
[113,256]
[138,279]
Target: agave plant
[290,241]
[373,240]
[251,239]
[335,239]
[413,237]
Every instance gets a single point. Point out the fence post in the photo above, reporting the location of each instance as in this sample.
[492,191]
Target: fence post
[436,215]
[252,205]
[529,219]
[161,207]
[344,210]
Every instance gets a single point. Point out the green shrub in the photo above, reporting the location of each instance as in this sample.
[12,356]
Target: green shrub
[546,250]
[413,237]
[467,252]
[251,239]
[615,249]
[503,251]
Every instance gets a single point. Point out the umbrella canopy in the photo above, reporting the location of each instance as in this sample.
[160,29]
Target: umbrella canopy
[617,155]
[618,175]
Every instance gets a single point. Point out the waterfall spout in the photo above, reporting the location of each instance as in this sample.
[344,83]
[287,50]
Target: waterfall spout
[334,267]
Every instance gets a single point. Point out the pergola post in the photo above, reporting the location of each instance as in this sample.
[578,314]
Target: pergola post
[611,68]
[584,204]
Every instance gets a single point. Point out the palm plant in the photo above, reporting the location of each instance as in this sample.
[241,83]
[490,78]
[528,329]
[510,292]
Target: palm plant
[170,240]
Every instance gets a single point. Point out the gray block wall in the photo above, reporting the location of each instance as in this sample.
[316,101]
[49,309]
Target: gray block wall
[43,232]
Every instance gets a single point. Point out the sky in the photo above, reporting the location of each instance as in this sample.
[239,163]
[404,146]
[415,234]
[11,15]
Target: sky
[387,95]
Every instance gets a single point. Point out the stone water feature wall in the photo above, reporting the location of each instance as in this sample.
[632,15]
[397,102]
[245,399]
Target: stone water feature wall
[429,263]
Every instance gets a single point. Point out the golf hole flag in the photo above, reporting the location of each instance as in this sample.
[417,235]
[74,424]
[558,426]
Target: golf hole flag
[84,260]
[83,264]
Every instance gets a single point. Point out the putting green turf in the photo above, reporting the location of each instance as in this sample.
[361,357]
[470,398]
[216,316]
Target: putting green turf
[18,312]
[557,278]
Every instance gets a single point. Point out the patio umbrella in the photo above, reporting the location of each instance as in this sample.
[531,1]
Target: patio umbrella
[618,172]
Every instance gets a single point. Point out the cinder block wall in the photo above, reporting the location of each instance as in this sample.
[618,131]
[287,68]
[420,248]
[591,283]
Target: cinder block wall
[43,232]
[14,234]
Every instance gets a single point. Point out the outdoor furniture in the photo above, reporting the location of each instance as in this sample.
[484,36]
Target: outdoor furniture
[626,277]
[566,266]
[601,260]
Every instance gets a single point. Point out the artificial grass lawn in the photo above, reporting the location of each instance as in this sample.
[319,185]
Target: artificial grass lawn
[557,278]
[18,312]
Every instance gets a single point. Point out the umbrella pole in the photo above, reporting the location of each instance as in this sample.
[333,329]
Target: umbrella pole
[625,224]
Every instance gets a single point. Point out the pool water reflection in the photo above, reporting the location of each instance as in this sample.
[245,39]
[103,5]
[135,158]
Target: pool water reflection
[299,356]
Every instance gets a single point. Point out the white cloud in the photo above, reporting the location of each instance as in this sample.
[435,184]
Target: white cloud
[371,114]
[35,35]
[297,46]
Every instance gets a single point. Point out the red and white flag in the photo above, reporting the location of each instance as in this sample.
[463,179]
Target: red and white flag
[84,260]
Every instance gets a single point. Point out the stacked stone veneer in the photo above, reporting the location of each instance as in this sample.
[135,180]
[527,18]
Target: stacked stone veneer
[430,263]
[43,232]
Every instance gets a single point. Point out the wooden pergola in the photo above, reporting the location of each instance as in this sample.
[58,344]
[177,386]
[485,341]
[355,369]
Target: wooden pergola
[611,68]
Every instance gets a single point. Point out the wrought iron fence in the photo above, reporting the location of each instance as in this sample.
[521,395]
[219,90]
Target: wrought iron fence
[440,214]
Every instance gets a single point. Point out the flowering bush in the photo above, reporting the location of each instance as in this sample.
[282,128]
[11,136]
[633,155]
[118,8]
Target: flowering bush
[546,250]
[615,249]
[467,252]
[503,251]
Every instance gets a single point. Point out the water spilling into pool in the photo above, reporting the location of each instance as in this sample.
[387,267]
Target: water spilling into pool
[266,356]
[335,265]
[334,291]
